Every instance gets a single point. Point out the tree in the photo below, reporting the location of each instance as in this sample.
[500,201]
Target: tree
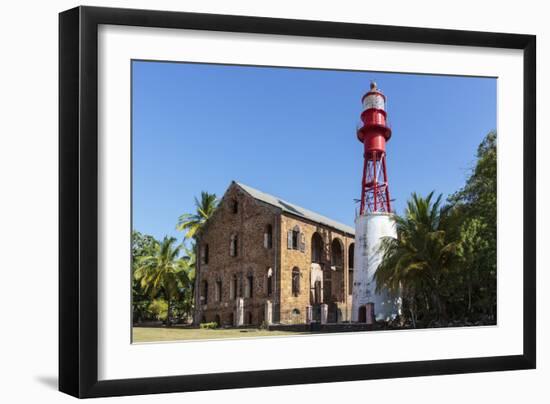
[164,273]
[190,223]
[142,245]
[444,258]
[478,202]
[183,306]
[418,261]
[472,262]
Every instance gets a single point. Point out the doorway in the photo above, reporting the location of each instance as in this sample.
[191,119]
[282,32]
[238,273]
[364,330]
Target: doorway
[362,314]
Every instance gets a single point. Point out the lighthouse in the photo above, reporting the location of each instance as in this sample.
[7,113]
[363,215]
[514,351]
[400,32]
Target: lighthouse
[375,220]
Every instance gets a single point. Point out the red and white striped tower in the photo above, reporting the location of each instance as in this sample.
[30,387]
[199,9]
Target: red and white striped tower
[375,132]
[375,221]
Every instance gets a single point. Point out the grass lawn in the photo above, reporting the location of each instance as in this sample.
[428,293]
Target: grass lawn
[152,334]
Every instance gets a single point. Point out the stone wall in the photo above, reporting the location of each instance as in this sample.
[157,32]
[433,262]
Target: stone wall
[252,260]
[241,217]
[293,307]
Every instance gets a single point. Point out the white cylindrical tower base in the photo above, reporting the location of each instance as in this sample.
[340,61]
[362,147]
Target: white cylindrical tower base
[370,229]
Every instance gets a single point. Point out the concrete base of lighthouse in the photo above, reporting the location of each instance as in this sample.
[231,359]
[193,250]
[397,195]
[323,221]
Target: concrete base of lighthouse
[370,229]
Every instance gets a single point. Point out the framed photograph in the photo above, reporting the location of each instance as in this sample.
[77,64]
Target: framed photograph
[251,201]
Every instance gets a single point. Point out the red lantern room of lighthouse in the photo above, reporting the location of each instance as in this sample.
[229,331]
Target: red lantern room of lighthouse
[375,132]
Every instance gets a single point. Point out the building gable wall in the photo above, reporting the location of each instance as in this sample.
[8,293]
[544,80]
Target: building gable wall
[224,264]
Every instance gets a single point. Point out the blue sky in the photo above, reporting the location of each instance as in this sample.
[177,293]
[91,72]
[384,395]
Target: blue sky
[291,133]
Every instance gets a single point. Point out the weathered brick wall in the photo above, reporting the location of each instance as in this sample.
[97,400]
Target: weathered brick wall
[252,259]
[293,308]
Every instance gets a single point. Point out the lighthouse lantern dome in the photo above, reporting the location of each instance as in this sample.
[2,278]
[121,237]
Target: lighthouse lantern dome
[374,99]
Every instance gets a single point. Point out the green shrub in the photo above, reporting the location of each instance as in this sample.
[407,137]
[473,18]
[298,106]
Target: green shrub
[209,326]
[159,308]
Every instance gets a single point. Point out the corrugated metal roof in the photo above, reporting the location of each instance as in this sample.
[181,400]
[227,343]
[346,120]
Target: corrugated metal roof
[295,209]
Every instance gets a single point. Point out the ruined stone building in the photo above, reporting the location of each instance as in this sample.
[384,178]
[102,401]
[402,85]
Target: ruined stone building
[264,260]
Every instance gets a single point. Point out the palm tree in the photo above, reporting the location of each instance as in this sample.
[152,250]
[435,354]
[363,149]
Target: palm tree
[425,250]
[164,272]
[192,222]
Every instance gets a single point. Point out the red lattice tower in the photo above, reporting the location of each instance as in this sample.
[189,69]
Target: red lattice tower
[375,132]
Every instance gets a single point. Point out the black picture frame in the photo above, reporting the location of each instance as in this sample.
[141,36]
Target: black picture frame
[78,201]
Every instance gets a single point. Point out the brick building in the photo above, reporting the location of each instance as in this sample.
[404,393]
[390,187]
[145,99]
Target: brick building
[264,260]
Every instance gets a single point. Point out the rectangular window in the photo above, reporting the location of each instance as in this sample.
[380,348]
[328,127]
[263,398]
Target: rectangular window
[249,286]
[205,292]
[234,246]
[204,254]
[295,281]
[318,298]
[233,288]
[240,288]
[218,291]
[269,285]
[289,239]
[295,238]
[236,290]
[268,237]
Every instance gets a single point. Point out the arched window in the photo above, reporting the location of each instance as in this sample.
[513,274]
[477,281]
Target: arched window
[316,248]
[204,294]
[336,255]
[234,245]
[235,206]
[204,253]
[295,281]
[268,236]
[269,286]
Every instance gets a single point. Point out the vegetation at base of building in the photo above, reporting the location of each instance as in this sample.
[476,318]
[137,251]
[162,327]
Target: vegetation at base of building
[443,261]
[209,326]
